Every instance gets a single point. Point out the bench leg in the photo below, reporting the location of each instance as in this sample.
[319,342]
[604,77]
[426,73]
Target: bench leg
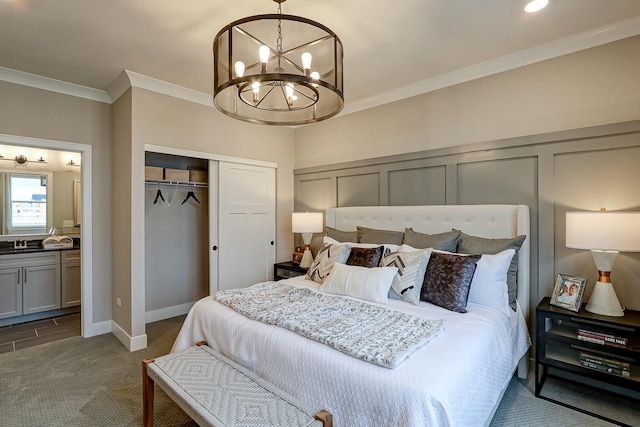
[325,417]
[147,395]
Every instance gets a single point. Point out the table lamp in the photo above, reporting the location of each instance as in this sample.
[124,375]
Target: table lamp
[307,223]
[605,234]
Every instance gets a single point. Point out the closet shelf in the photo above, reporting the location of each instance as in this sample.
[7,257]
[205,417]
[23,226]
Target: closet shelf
[177,183]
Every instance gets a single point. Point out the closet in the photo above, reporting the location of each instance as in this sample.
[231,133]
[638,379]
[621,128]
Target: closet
[209,225]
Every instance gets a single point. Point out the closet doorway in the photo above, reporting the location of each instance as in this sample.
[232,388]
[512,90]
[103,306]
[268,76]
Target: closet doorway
[224,239]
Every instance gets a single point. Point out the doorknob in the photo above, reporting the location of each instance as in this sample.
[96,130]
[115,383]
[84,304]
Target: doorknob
[272,243]
[215,248]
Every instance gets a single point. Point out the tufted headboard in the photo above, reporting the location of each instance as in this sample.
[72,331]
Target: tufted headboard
[491,221]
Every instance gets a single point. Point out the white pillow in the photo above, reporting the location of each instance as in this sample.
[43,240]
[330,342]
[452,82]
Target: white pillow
[388,247]
[407,284]
[489,284]
[371,284]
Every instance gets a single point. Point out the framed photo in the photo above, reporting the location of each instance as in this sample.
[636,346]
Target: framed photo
[297,257]
[567,292]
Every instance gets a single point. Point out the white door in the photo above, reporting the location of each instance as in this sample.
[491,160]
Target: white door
[246,224]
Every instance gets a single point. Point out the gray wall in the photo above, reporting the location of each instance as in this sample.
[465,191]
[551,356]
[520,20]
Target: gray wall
[583,169]
[36,113]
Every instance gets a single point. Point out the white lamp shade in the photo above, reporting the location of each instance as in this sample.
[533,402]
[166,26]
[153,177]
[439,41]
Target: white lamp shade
[606,231]
[306,222]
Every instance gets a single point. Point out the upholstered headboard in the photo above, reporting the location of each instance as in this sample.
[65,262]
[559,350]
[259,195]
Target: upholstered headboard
[490,221]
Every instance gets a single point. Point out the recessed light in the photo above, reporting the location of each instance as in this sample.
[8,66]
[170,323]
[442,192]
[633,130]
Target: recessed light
[535,5]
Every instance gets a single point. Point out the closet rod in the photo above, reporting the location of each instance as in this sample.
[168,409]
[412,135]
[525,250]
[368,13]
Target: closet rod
[177,183]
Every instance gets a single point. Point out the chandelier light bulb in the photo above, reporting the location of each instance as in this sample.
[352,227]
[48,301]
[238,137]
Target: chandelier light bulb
[306,62]
[256,91]
[315,76]
[264,53]
[288,88]
[239,68]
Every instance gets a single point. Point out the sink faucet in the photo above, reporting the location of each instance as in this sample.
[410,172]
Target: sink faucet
[20,244]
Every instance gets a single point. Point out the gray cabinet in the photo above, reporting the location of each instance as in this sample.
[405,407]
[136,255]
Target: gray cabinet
[29,283]
[10,292]
[71,278]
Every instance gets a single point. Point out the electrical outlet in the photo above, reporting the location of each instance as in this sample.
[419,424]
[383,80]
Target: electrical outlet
[119,302]
[67,223]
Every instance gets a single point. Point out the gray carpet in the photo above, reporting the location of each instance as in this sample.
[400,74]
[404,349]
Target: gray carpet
[97,382]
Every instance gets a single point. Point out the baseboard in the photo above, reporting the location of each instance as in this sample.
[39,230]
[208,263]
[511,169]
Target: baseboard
[99,328]
[168,312]
[131,343]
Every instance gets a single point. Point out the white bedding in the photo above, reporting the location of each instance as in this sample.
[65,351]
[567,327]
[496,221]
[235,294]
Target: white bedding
[455,380]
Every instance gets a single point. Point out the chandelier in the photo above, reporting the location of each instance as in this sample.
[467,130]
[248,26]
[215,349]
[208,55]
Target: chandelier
[277,69]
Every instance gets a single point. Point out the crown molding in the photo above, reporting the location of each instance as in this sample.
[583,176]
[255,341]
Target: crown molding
[52,85]
[166,88]
[574,43]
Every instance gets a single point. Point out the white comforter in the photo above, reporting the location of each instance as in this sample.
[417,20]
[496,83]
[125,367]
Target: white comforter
[455,380]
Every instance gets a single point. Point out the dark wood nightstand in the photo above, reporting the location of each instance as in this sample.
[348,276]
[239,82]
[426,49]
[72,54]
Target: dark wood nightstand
[589,349]
[285,270]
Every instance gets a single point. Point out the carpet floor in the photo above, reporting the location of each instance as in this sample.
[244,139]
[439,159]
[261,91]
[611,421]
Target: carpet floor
[97,382]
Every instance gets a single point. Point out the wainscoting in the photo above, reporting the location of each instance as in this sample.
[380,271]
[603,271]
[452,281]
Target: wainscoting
[581,169]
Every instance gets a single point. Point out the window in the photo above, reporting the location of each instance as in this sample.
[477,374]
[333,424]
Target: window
[28,204]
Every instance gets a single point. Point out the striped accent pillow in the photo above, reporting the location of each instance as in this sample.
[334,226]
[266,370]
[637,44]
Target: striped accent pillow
[325,259]
[411,267]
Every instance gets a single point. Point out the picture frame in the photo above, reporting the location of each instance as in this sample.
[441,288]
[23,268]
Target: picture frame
[568,291]
[297,257]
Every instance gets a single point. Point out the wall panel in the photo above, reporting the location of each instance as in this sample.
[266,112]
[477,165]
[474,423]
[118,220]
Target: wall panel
[420,186]
[359,190]
[314,194]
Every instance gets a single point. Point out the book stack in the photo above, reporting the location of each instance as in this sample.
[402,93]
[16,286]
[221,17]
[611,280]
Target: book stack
[602,364]
[602,338]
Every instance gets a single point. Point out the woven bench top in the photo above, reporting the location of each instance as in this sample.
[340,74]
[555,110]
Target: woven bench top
[224,394]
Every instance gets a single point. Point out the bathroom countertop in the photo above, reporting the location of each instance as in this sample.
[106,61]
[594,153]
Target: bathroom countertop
[6,248]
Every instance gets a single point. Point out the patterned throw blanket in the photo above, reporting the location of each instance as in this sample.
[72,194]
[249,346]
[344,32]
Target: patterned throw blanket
[374,334]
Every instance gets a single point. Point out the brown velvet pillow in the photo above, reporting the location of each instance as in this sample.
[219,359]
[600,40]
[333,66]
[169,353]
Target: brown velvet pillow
[366,257]
[448,279]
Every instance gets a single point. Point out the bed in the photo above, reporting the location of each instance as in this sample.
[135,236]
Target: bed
[456,379]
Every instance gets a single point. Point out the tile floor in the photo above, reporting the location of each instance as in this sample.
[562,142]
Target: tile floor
[16,337]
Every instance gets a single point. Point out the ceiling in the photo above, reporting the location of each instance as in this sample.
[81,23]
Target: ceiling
[387,45]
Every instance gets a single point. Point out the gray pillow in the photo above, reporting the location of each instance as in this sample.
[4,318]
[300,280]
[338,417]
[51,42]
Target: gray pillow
[341,236]
[479,245]
[338,235]
[448,279]
[447,241]
[372,235]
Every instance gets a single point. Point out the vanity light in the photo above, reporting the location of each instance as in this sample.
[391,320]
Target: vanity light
[21,159]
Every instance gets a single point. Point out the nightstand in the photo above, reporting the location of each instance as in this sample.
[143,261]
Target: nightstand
[285,270]
[589,349]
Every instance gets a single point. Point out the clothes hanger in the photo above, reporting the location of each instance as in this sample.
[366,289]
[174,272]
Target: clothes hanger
[192,195]
[158,196]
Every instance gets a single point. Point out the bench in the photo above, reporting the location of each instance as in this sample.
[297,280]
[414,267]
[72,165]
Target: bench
[215,391]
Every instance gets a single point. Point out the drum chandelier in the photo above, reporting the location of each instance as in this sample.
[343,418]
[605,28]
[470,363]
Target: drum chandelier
[278,69]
